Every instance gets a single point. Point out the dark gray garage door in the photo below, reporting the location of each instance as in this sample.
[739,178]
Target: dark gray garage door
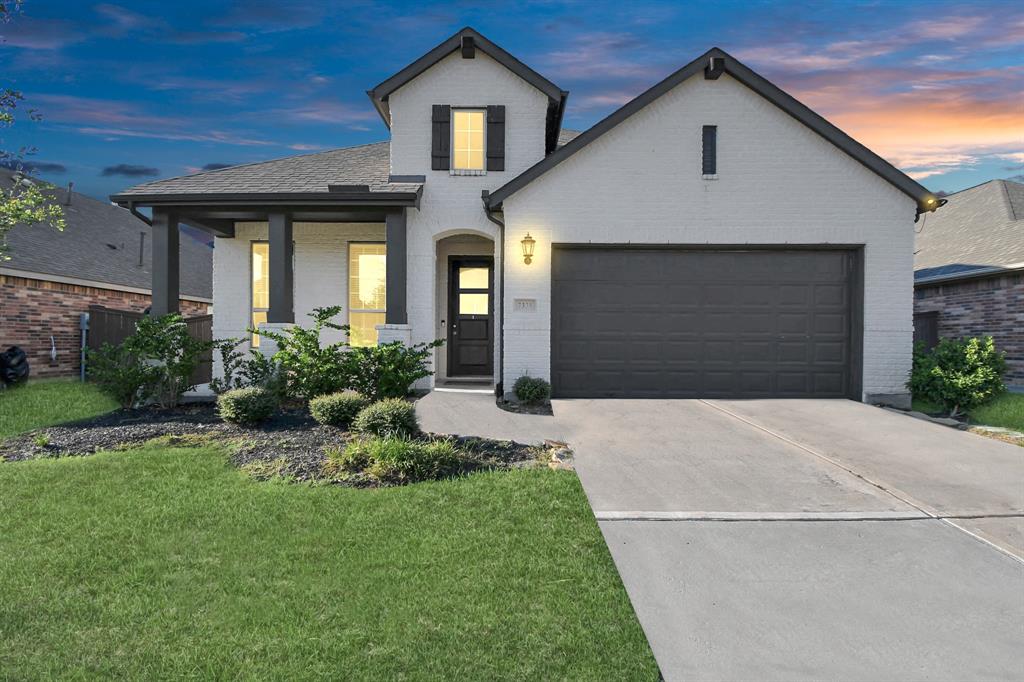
[673,323]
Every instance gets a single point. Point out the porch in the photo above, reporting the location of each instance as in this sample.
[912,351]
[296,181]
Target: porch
[279,257]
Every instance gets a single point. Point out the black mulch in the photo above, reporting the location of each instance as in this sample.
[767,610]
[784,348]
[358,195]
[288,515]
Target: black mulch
[291,444]
[523,408]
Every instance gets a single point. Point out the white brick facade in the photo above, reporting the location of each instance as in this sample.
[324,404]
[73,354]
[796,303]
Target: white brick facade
[321,273]
[778,183]
[640,183]
[451,205]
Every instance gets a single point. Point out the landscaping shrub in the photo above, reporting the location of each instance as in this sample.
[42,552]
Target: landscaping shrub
[155,363]
[239,371]
[388,417]
[246,405]
[337,409]
[958,373]
[309,369]
[231,361]
[388,370]
[119,374]
[531,390]
[398,459]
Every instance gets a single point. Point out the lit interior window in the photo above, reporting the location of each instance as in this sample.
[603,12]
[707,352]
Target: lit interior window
[467,139]
[260,287]
[366,291]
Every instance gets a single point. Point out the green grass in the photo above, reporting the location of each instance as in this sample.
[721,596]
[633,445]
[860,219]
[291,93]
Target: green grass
[47,402]
[165,563]
[1007,411]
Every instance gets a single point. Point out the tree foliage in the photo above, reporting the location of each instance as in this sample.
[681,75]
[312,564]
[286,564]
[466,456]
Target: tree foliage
[24,202]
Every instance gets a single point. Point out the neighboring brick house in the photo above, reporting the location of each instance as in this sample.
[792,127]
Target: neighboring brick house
[969,268]
[101,258]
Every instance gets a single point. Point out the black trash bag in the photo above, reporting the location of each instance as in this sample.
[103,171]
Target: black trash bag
[14,367]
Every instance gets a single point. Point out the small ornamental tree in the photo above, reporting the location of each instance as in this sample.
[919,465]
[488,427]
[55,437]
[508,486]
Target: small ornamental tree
[958,374]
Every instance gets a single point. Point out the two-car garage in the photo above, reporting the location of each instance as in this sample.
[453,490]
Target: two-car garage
[715,322]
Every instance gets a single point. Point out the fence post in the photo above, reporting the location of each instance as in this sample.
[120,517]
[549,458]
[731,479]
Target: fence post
[83,324]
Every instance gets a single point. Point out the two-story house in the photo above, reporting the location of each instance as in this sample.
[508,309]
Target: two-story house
[711,238]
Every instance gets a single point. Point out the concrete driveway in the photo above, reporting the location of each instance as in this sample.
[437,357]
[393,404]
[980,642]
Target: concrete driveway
[797,539]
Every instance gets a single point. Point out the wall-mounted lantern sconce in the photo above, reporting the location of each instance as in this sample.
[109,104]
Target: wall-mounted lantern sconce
[528,243]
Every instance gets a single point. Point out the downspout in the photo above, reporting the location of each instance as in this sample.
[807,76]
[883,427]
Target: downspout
[135,212]
[499,389]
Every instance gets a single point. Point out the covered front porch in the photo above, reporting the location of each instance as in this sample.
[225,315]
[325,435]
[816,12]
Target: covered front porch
[278,257]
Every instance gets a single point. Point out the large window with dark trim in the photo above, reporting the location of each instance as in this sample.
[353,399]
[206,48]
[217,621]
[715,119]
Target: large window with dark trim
[367,269]
[259,259]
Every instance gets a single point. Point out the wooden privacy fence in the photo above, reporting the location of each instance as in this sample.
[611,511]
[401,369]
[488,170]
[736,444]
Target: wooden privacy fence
[926,328]
[107,325]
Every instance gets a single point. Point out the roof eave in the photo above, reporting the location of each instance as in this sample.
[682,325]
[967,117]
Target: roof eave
[397,199]
[977,273]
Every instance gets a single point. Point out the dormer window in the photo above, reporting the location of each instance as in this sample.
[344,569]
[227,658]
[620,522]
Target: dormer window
[468,139]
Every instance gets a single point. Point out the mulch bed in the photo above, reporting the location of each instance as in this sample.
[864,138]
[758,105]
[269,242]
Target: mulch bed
[522,408]
[291,444]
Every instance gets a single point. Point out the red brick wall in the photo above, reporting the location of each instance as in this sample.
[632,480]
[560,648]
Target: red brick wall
[982,307]
[31,310]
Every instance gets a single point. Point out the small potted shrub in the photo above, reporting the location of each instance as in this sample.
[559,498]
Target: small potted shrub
[531,390]
[388,417]
[246,406]
[337,409]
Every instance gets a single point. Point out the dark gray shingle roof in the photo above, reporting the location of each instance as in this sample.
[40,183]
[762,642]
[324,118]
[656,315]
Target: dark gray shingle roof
[981,227]
[101,244]
[367,164]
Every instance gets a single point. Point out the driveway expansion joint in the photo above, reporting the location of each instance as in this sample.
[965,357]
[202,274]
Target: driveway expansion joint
[902,497]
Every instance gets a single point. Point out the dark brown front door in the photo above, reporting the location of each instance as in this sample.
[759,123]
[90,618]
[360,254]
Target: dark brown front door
[471,316]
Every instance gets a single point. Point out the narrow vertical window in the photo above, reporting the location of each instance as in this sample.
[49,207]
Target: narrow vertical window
[366,291]
[260,266]
[709,162]
[468,139]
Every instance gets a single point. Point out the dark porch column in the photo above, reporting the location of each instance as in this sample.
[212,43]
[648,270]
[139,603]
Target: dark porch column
[165,263]
[281,268]
[396,266]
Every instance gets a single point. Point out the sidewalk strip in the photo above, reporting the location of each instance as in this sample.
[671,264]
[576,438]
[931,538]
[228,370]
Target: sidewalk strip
[757,516]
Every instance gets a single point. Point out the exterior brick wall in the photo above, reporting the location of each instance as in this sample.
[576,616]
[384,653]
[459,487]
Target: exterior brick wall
[981,307]
[32,310]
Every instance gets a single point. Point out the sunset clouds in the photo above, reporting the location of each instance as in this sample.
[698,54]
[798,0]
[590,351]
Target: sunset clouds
[934,86]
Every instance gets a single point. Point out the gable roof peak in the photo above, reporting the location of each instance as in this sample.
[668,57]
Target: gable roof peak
[713,63]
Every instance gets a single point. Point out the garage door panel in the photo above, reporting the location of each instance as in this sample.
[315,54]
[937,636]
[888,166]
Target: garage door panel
[690,323]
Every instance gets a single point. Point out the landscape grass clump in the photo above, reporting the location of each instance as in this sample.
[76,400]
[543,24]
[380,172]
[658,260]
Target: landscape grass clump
[246,406]
[388,417]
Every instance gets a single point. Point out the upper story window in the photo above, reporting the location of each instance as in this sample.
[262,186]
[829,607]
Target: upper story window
[468,150]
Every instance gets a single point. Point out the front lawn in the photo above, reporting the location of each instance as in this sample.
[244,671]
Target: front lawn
[47,402]
[161,563]
[1006,410]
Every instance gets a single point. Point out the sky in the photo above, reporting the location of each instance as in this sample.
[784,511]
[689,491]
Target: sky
[134,91]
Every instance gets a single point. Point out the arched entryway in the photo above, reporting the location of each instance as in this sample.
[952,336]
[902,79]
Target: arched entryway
[466,309]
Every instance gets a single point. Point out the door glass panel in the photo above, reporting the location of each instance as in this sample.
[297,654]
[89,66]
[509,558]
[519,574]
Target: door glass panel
[473,304]
[473,278]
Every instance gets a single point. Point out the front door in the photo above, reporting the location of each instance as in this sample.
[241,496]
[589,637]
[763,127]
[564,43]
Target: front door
[471,316]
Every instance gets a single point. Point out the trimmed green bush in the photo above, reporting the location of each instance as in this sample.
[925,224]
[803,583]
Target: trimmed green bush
[246,405]
[958,374]
[396,459]
[531,390]
[337,409]
[388,370]
[388,417]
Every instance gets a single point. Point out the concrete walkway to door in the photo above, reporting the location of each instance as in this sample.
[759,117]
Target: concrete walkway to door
[795,539]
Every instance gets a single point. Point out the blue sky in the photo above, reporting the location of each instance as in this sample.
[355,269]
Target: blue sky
[133,91]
